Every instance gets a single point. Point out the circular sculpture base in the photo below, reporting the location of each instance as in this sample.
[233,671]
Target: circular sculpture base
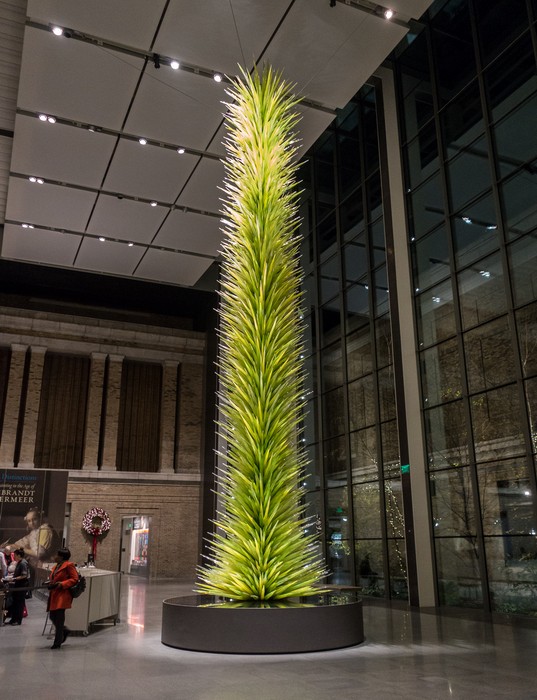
[311,623]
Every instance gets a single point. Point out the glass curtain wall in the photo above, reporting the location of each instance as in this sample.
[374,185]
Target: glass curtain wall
[467,87]
[354,489]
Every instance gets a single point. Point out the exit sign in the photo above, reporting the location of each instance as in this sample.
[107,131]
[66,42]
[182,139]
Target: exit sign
[405,468]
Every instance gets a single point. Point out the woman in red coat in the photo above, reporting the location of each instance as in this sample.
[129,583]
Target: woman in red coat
[63,576]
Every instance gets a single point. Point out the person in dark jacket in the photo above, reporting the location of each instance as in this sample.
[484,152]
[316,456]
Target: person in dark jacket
[62,577]
[19,582]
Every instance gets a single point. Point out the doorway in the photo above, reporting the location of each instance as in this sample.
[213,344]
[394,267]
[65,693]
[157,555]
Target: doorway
[135,558]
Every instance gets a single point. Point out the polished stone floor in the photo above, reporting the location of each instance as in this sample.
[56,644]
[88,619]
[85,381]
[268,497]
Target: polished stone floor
[406,655]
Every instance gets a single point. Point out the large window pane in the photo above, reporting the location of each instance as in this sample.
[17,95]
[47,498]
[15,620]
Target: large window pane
[426,207]
[457,563]
[441,373]
[490,360]
[349,166]
[366,503]
[380,282]
[416,86]
[462,119]
[515,137]
[475,232]
[364,455]
[329,279]
[393,495]
[506,498]
[386,393]
[520,201]
[447,436]
[496,424]
[333,413]
[351,216]
[332,366]
[453,48]
[357,305]
[330,323]
[383,334]
[435,313]
[512,574]
[523,265]
[482,292]
[510,15]
[355,259]
[469,174]
[359,353]
[391,461]
[511,78]
[452,501]
[338,544]
[397,568]
[431,259]
[369,559]
[361,403]
[335,461]
[527,338]
[422,156]
[531,399]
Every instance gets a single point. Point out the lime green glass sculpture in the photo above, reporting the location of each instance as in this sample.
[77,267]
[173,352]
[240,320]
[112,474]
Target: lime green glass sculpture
[260,550]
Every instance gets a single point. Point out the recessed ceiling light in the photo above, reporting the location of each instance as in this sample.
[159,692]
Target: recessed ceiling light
[180,151]
[388,14]
[40,181]
[52,120]
[32,179]
[153,204]
[92,129]
[130,245]
[142,141]
[102,239]
[58,31]
[217,77]
[467,220]
[43,117]
[174,65]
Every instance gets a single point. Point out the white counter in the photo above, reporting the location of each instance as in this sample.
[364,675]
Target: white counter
[99,601]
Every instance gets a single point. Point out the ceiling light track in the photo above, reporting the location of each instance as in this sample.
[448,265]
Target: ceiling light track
[106,239]
[117,195]
[158,60]
[372,8]
[123,135]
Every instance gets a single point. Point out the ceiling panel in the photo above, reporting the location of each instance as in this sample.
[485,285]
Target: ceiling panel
[177,107]
[108,256]
[125,219]
[175,268]
[146,171]
[57,152]
[69,78]
[195,233]
[203,189]
[48,205]
[219,35]
[38,245]
[131,22]
[339,48]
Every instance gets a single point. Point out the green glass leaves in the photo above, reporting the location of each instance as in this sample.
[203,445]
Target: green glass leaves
[260,550]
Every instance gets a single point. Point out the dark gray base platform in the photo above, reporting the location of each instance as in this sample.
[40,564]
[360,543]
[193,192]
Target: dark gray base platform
[312,623]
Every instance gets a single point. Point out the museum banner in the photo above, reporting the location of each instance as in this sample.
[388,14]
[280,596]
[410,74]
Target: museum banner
[32,512]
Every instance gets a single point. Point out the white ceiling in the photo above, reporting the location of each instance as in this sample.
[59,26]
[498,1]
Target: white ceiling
[101,182]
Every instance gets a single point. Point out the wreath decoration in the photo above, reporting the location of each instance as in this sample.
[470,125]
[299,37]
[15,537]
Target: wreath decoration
[96,522]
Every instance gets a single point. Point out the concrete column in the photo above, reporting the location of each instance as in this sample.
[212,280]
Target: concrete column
[190,418]
[13,400]
[31,410]
[93,411]
[168,416]
[418,466]
[113,392]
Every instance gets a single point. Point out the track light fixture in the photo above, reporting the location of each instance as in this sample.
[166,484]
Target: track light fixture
[332,3]
[156,60]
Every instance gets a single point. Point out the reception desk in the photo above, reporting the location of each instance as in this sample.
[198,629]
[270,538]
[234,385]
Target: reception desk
[100,600]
